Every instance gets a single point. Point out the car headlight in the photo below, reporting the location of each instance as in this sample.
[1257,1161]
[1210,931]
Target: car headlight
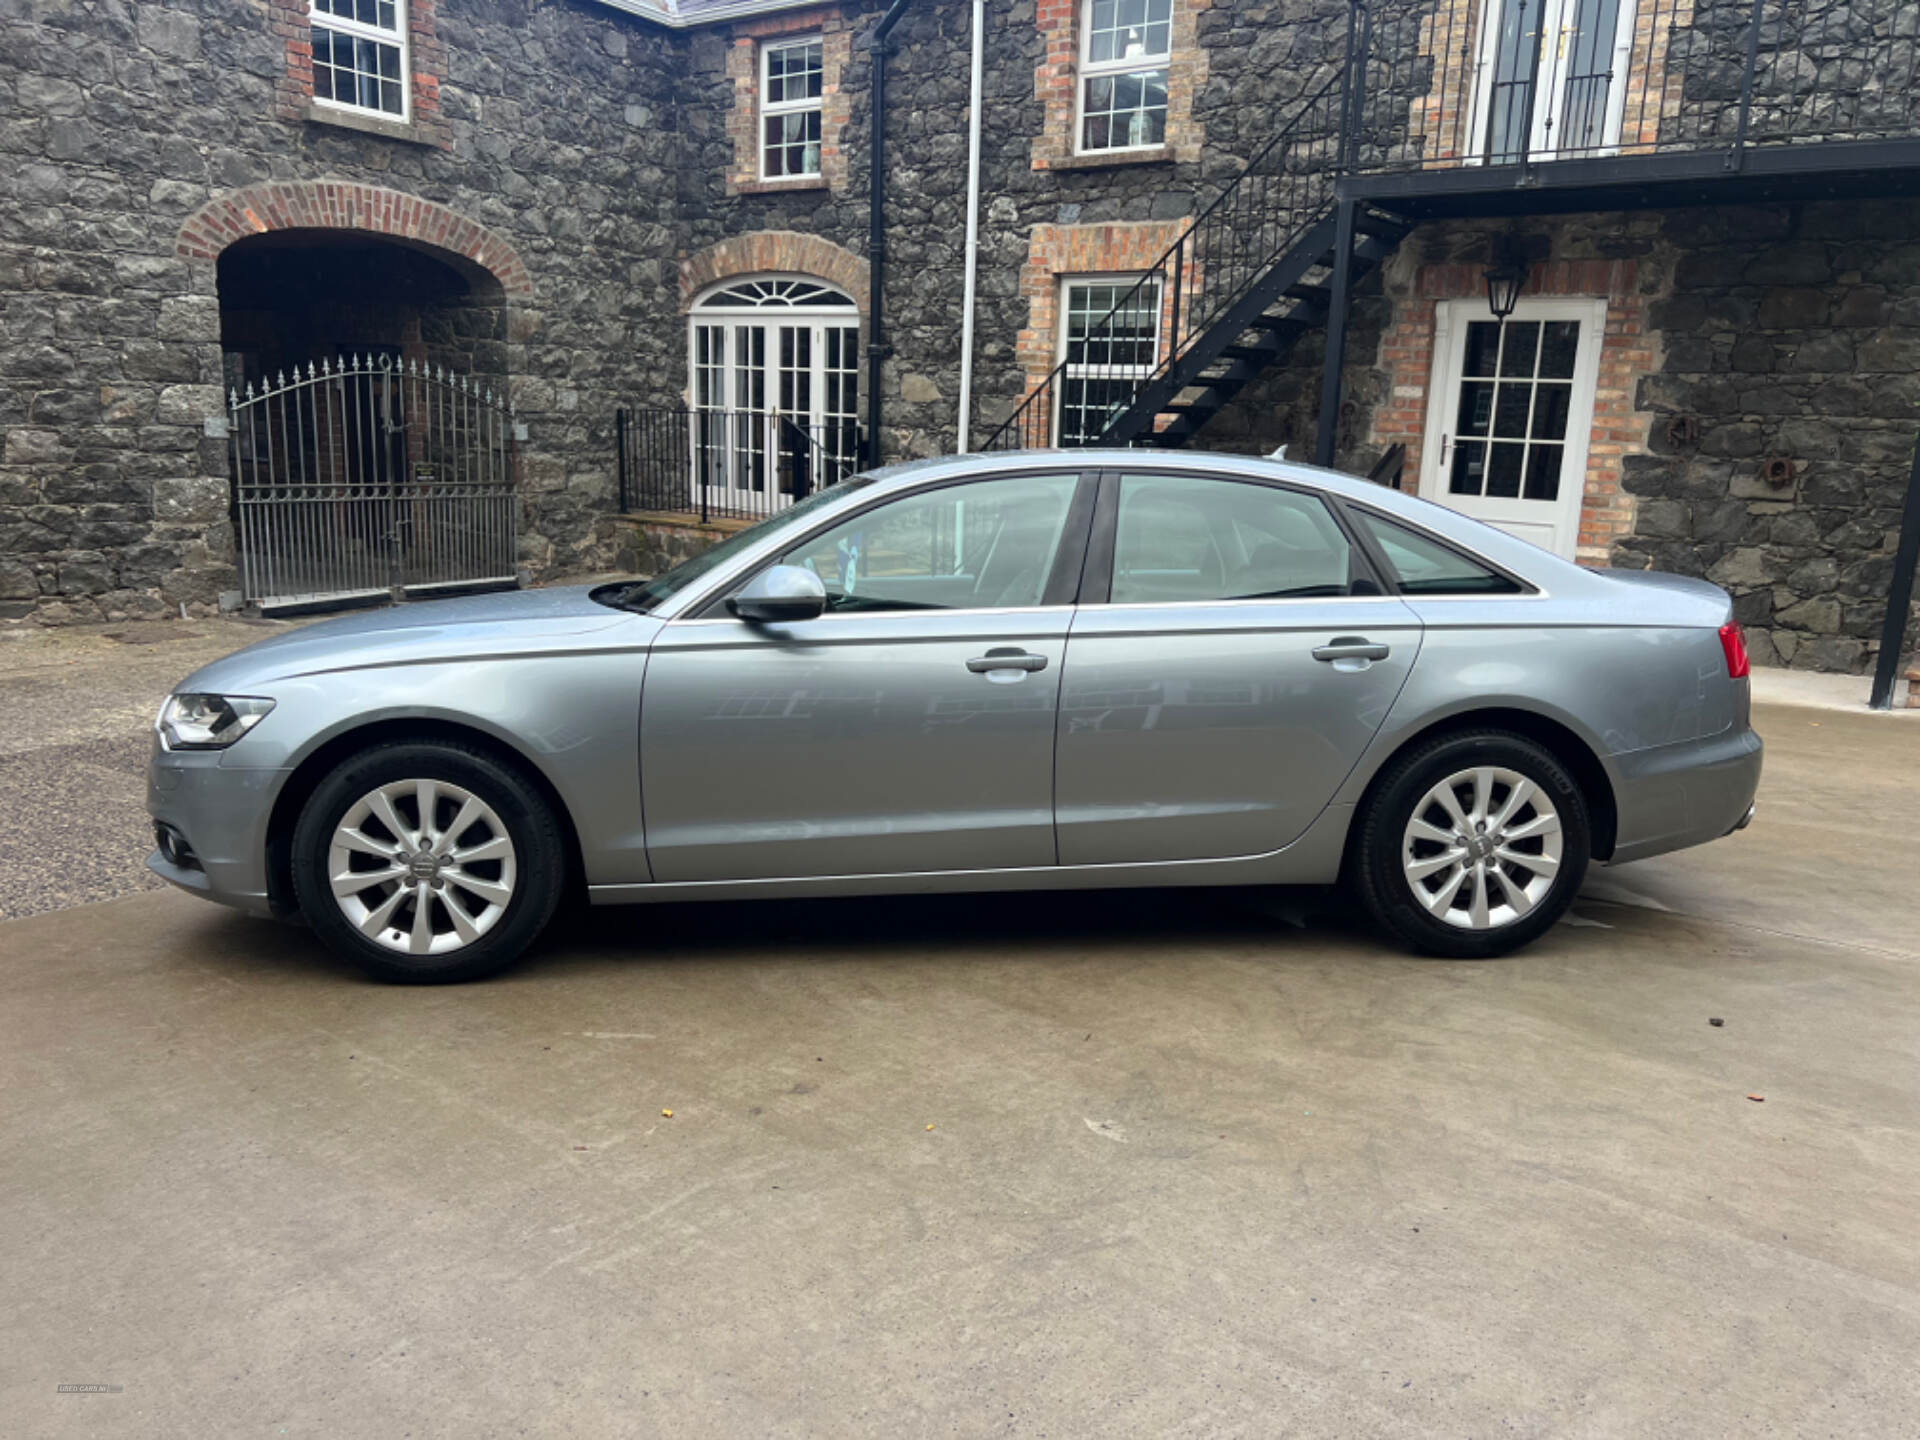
[209,722]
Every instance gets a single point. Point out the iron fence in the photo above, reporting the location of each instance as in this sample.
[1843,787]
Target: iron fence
[357,476]
[729,464]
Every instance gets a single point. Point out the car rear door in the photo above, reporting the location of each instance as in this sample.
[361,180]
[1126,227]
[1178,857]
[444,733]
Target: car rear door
[910,728]
[1232,656]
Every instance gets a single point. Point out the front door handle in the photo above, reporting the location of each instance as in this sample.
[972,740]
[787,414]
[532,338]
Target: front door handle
[1005,659]
[1351,647]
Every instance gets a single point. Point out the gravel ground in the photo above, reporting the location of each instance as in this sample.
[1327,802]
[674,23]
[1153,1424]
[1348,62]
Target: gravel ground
[73,752]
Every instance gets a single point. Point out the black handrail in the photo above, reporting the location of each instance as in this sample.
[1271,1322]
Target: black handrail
[1249,225]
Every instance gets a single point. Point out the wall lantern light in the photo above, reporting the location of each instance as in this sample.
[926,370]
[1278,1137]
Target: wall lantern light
[1506,278]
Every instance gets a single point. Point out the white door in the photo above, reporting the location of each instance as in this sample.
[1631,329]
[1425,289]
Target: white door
[1509,415]
[775,391]
[1551,78]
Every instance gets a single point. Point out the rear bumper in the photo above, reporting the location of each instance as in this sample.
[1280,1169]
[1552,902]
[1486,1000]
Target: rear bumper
[1673,796]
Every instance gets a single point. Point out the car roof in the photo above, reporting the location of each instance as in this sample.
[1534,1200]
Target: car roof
[1523,558]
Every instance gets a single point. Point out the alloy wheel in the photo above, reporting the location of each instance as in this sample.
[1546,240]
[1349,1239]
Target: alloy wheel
[421,867]
[1482,848]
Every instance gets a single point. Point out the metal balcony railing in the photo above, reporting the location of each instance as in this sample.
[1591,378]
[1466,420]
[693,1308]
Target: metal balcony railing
[729,464]
[1458,83]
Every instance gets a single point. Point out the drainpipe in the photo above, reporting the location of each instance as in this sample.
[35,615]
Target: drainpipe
[973,228]
[877,347]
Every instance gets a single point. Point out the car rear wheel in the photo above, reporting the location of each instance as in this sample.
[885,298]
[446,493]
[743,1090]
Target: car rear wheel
[427,862]
[1472,844]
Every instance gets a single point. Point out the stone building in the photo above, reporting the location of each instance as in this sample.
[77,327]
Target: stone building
[611,213]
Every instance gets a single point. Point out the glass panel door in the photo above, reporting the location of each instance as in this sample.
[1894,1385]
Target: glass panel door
[775,393]
[1512,410]
[1552,78]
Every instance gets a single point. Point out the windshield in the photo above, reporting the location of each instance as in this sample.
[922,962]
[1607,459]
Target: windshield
[647,595]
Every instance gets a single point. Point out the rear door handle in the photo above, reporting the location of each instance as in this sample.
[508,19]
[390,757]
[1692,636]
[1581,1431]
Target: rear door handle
[1014,659]
[1351,647]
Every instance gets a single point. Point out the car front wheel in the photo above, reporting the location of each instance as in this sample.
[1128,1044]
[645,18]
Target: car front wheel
[1472,844]
[427,862]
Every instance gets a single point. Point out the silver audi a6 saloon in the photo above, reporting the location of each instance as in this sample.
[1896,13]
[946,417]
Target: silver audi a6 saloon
[1036,671]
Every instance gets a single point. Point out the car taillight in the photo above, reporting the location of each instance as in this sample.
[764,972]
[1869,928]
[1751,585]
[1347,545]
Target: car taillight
[1735,644]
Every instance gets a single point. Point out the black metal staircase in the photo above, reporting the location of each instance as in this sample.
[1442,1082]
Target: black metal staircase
[1257,331]
[1706,102]
[1229,299]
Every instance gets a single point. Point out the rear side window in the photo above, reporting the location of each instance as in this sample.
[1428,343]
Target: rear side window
[1426,567]
[1183,538]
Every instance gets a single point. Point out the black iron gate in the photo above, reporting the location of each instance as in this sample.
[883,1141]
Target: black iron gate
[361,475]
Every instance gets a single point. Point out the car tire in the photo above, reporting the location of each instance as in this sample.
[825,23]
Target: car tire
[1447,863]
[490,866]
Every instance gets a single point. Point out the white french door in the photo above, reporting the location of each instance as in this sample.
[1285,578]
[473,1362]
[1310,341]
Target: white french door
[1509,415]
[1551,78]
[775,391]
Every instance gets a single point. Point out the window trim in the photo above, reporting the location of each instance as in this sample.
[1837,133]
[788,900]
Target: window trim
[1096,587]
[763,108]
[1064,305]
[398,37]
[1087,69]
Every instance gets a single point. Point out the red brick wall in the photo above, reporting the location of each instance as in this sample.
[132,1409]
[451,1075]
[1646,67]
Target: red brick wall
[1626,352]
[781,252]
[1055,251]
[743,125]
[426,58]
[345,205]
[1056,86]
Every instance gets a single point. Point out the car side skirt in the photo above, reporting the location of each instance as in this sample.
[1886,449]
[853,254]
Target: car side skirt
[1313,859]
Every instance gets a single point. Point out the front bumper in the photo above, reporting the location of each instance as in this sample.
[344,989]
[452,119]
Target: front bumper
[222,813]
[1673,796]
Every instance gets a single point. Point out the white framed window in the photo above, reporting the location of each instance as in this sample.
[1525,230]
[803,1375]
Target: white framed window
[1110,342]
[774,362]
[1125,46]
[792,77]
[360,55]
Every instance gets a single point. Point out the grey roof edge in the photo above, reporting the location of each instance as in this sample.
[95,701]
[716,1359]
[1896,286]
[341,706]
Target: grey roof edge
[690,14]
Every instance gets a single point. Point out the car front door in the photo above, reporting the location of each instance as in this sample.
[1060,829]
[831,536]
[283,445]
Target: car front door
[908,728]
[1242,661]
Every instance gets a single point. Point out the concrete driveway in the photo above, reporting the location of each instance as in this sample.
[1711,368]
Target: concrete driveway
[1153,1164]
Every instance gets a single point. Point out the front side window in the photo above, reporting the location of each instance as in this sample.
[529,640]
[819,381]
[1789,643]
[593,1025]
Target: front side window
[1110,341]
[791,84]
[360,55]
[1181,539]
[1426,567]
[1123,74]
[988,544]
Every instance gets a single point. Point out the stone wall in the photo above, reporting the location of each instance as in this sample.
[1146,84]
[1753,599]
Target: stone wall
[1790,334]
[118,121]
[1753,334]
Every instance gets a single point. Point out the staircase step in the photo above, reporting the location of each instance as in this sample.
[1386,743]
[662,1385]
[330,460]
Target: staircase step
[1382,225]
[1258,354]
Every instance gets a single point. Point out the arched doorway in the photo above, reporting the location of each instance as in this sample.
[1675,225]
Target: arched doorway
[297,296]
[773,362]
[366,350]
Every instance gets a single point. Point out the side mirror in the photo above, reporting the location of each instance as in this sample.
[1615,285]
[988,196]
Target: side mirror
[780,592]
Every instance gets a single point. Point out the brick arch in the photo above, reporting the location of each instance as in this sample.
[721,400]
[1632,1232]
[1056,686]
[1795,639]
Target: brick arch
[345,205]
[785,252]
